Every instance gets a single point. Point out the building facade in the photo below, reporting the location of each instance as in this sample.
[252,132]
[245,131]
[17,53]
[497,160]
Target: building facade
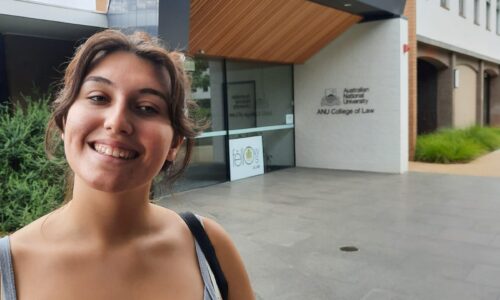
[458,63]
[313,83]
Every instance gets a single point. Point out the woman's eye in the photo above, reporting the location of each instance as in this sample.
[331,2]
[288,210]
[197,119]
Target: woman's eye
[97,98]
[147,109]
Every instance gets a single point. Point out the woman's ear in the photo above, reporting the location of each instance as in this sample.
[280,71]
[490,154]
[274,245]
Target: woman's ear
[174,148]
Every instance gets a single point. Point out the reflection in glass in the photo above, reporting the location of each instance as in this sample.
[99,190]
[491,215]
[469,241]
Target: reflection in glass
[206,90]
[242,105]
[259,94]
[208,162]
[208,165]
[134,15]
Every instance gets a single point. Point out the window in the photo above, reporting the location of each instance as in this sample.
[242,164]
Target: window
[498,16]
[461,8]
[488,14]
[445,4]
[476,12]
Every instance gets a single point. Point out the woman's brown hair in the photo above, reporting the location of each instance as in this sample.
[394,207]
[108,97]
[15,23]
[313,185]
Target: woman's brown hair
[141,44]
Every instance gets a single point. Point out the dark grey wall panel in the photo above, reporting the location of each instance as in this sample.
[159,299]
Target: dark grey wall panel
[173,24]
[34,63]
[369,9]
[395,7]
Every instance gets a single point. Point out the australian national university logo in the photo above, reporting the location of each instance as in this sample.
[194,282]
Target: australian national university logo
[353,101]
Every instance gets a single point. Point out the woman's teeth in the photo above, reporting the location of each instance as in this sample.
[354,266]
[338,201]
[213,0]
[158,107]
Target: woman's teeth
[115,152]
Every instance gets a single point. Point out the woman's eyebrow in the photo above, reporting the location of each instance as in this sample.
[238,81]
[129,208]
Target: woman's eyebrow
[98,79]
[152,91]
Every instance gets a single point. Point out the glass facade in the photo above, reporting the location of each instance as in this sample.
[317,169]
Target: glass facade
[260,103]
[133,15]
[239,100]
[209,160]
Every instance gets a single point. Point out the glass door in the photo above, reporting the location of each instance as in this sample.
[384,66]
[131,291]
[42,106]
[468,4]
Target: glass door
[208,162]
[260,105]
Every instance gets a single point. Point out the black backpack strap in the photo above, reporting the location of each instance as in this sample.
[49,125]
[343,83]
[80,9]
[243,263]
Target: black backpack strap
[206,246]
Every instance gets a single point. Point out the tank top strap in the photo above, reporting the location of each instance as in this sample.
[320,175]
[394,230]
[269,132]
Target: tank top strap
[8,286]
[211,290]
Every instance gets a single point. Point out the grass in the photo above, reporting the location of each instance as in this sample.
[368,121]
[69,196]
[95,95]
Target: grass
[457,145]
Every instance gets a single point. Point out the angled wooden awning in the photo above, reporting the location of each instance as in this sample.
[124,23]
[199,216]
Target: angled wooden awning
[286,31]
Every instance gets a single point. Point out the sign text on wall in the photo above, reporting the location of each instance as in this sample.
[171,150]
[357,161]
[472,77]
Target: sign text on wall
[352,101]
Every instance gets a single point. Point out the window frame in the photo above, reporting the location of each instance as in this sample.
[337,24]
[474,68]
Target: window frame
[488,15]
[498,17]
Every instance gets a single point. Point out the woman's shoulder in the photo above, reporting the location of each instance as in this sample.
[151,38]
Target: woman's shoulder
[218,236]
[29,234]
[230,260]
[172,230]
[173,221]
[27,243]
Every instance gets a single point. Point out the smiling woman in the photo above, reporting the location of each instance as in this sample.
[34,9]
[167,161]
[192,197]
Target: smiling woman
[121,115]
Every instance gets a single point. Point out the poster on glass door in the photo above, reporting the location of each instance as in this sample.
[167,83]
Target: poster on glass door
[242,105]
[246,157]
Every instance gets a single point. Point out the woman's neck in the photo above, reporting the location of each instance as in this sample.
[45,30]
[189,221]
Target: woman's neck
[108,218]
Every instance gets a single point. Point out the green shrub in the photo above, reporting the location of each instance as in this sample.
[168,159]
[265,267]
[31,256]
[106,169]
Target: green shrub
[489,137]
[457,145]
[30,184]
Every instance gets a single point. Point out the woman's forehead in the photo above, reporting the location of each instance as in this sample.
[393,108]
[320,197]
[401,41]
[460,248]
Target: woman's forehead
[127,67]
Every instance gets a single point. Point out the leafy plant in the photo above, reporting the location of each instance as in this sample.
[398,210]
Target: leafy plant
[30,184]
[200,77]
[457,145]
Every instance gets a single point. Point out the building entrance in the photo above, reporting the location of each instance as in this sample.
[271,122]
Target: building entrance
[240,100]
[486,99]
[426,97]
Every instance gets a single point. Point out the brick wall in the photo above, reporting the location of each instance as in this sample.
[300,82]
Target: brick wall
[411,13]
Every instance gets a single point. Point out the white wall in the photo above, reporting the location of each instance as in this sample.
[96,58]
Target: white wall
[447,26]
[78,4]
[47,12]
[369,55]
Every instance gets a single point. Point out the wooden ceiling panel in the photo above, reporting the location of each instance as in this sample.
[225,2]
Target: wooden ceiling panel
[287,31]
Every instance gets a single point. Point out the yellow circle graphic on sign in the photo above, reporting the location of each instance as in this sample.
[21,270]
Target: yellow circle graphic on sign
[249,155]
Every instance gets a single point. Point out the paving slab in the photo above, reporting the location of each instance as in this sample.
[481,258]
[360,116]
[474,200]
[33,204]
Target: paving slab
[419,235]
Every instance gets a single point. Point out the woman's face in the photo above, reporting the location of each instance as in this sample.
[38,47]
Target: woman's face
[117,134]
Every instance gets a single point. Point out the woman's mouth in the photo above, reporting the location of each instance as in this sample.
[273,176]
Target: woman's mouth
[115,151]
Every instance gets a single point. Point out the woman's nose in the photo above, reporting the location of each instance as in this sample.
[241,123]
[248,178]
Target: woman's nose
[117,120]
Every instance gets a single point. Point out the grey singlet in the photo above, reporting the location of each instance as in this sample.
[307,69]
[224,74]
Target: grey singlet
[8,285]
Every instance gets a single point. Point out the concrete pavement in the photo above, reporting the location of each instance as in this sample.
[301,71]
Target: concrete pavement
[420,236]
